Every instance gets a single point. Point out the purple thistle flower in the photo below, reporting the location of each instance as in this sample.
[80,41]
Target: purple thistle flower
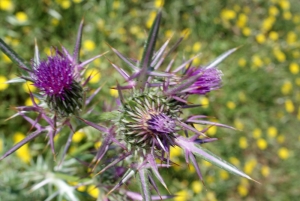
[59,78]
[209,80]
[55,77]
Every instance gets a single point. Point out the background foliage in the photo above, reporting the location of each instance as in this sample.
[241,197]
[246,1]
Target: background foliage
[260,94]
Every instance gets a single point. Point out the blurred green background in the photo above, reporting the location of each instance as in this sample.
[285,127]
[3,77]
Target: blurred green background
[260,94]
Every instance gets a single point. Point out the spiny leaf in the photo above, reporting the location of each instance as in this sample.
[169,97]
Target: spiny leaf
[148,53]
[13,56]
[220,58]
[144,184]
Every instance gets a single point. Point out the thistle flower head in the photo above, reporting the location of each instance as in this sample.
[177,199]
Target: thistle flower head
[209,80]
[149,120]
[55,77]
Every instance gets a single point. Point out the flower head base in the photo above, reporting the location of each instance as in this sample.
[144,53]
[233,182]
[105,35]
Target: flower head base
[149,120]
[208,81]
[56,79]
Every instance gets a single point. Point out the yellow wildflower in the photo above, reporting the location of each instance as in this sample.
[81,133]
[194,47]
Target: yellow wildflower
[134,29]
[286,87]
[116,5]
[272,131]
[242,62]
[256,133]
[28,86]
[23,153]
[196,61]
[273,11]
[175,151]
[224,174]
[227,14]
[93,191]
[6,5]
[284,4]
[204,101]
[238,124]
[100,24]
[47,50]
[114,93]
[242,190]
[6,59]
[65,4]
[234,161]
[243,142]
[89,45]
[246,31]
[212,130]
[196,47]
[283,153]
[186,32]
[199,127]
[249,166]
[289,106]
[159,3]
[280,56]
[257,61]
[168,33]
[54,21]
[287,15]
[231,105]
[3,85]
[81,188]
[95,75]
[211,196]
[242,20]
[28,101]
[197,186]
[21,17]
[78,136]
[262,143]
[267,23]
[260,38]
[151,19]
[265,171]
[77,1]
[182,195]
[207,164]
[294,68]
[273,35]
[98,144]
[291,38]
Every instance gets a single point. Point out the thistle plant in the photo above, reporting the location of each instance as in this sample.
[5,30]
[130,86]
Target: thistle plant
[62,91]
[137,136]
[150,120]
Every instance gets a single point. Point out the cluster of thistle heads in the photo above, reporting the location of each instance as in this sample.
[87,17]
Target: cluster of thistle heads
[145,123]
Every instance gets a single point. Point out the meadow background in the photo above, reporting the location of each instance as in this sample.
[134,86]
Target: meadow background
[260,94]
